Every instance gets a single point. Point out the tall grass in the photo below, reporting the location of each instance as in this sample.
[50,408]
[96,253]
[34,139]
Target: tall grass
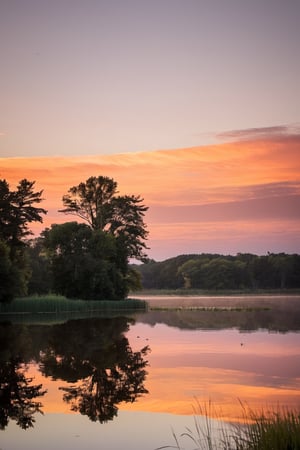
[59,304]
[272,430]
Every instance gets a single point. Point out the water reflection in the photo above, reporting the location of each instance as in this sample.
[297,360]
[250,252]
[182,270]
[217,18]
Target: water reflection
[245,313]
[93,355]
[17,395]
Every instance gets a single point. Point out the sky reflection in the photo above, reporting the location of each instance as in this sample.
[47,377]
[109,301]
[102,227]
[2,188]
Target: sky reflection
[225,366]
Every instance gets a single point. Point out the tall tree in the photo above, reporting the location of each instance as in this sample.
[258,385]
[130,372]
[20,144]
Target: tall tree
[96,201]
[17,210]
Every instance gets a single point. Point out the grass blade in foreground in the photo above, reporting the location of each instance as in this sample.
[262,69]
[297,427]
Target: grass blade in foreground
[272,430]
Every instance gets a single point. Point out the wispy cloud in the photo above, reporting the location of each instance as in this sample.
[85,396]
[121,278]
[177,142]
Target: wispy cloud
[285,207]
[260,133]
[225,196]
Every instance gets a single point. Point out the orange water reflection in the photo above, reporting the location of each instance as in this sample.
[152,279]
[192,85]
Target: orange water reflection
[261,369]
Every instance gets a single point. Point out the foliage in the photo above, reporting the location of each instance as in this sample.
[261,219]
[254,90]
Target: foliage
[96,201]
[88,261]
[7,277]
[40,281]
[17,210]
[219,272]
[162,275]
[84,262]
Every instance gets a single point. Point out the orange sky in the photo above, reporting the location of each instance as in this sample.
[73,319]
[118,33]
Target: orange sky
[242,196]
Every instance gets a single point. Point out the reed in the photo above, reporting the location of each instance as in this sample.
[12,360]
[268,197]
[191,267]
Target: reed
[268,430]
[59,304]
[272,430]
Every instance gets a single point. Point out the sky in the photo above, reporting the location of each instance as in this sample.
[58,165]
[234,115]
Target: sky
[194,105]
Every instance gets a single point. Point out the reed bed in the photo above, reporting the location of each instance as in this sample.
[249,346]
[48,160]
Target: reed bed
[273,430]
[277,429]
[59,304]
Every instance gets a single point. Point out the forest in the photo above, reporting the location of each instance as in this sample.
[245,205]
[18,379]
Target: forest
[243,271]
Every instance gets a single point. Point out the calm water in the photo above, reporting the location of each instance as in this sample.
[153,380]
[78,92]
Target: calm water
[124,383]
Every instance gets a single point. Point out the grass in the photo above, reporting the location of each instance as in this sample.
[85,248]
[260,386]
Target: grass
[59,304]
[273,430]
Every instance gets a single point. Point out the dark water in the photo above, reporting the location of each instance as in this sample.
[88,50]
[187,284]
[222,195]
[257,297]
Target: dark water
[123,382]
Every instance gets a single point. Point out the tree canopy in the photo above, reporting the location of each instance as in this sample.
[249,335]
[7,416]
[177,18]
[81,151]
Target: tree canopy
[84,262]
[17,211]
[215,272]
[96,201]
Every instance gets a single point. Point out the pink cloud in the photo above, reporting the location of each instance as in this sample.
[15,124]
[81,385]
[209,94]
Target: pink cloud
[238,194]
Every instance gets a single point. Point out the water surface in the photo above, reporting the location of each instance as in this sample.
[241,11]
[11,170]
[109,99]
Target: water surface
[122,383]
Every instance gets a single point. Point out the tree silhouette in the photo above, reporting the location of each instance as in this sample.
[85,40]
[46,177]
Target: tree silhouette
[96,201]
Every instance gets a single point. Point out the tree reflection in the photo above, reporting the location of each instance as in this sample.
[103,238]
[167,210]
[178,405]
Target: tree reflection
[17,394]
[96,356]
[100,392]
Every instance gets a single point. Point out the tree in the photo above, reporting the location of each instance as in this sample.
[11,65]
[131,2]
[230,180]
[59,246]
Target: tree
[40,280]
[7,288]
[84,263]
[17,210]
[96,201]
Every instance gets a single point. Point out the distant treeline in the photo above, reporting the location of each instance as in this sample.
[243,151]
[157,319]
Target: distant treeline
[216,272]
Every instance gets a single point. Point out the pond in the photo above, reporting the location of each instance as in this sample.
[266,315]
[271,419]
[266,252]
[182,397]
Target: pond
[112,383]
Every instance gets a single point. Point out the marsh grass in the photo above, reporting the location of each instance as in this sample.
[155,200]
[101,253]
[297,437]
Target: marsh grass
[59,304]
[272,430]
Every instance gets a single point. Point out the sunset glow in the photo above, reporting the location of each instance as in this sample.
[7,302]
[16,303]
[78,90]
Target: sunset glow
[234,197]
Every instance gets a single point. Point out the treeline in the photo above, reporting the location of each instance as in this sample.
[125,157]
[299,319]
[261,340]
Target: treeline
[87,260]
[218,272]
